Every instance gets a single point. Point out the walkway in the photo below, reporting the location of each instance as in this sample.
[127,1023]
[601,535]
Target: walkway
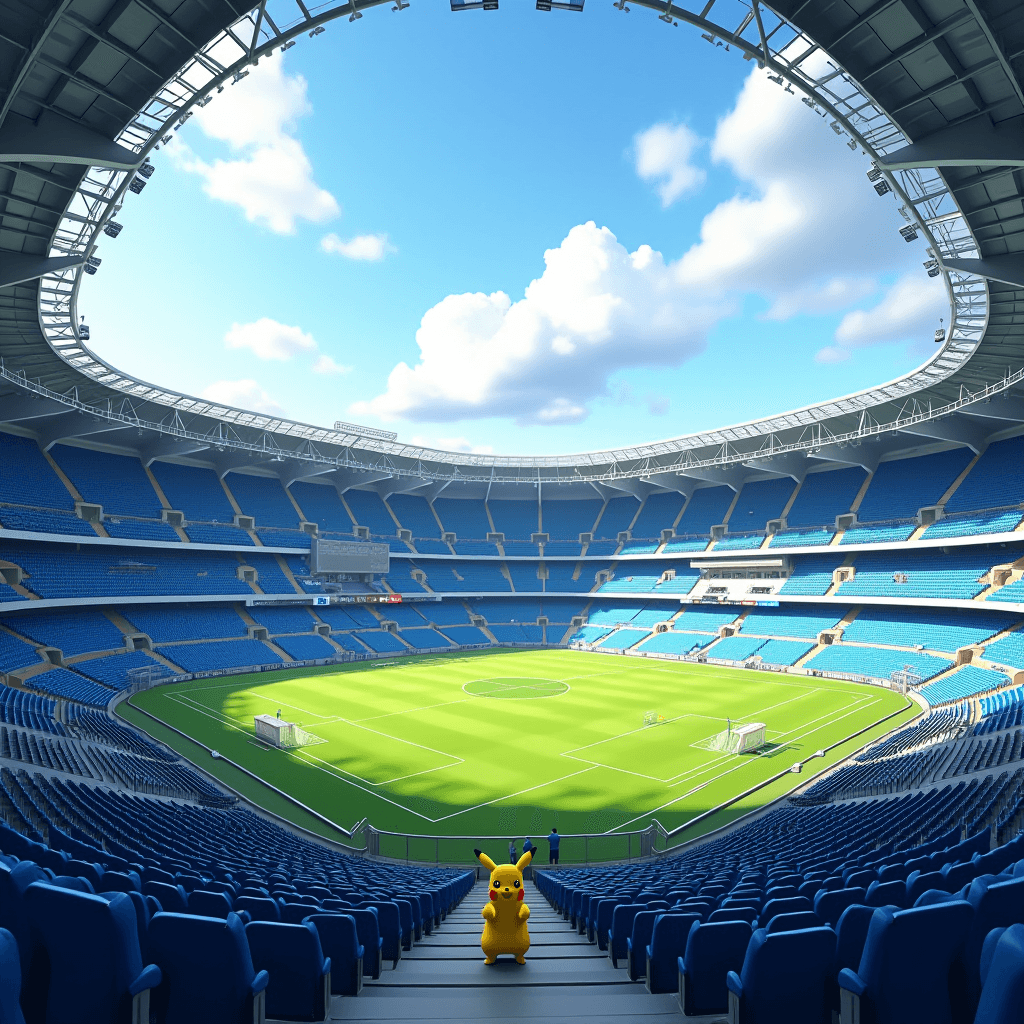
[444,978]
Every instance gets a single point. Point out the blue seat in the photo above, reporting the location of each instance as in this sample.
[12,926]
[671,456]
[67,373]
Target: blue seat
[173,898]
[602,919]
[85,869]
[851,932]
[87,966]
[887,894]
[748,914]
[959,875]
[300,975]
[784,978]
[782,892]
[74,882]
[296,913]
[14,881]
[10,980]
[787,905]
[712,950]
[1002,974]
[408,922]
[339,939]
[389,921]
[119,881]
[667,945]
[259,908]
[829,906]
[638,941]
[209,904]
[906,968]
[368,933]
[918,883]
[793,922]
[207,971]
[995,906]
[621,929]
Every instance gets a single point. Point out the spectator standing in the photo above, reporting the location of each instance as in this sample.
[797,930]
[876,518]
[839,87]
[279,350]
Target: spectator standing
[553,840]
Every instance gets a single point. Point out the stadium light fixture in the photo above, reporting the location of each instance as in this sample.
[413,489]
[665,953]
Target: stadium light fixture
[400,6]
[317,31]
[112,229]
[777,79]
[290,44]
[909,233]
[562,5]
[239,75]
[354,16]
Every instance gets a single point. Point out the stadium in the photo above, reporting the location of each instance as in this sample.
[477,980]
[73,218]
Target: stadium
[266,686]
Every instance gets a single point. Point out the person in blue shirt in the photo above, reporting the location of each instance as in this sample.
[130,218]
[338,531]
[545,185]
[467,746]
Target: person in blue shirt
[528,845]
[553,840]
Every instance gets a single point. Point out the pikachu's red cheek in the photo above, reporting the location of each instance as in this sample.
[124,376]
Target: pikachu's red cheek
[494,894]
[521,893]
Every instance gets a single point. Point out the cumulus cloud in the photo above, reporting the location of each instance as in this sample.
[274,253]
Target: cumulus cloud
[663,155]
[268,339]
[908,312]
[269,176]
[242,394]
[596,308]
[326,365]
[370,248]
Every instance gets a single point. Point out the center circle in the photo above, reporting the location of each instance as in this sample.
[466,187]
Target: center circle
[516,687]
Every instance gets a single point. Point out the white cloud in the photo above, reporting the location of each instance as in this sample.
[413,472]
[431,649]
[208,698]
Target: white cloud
[663,154]
[270,176]
[326,365]
[908,312]
[363,247]
[820,297]
[451,444]
[242,394]
[268,339]
[595,309]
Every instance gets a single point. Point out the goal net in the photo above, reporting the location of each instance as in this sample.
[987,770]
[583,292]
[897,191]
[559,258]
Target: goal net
[740,739]
[283,734]
[652,718]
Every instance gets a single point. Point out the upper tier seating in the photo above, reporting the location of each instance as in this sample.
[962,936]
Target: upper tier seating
[264,499]
[465,517]
[758,502]
[33,520]
[517,520]
[801,621]
[659,512]
[481,577]
[194,491]
[918,574]
[117,483]
[968,524]
[825,495]
[370,511]
[320,504]
[739,542]
[878,533]
[560,577]
[900,487]
[816,536]
[995,481]
[566,520]
[218,533]
[706,508]
[75,631]
[27,478]
[617,516]
[875,661]
[937,630]
[186,622]
[414,514]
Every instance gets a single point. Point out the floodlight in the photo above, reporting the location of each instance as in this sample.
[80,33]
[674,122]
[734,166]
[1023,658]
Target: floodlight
[354,16]
[470,5]
[882,186]
[147,169]
[809,102]
[909,233]
[400,6]
[777,79]
[288,45]
[112,229]
[874,174]
[852,144]
[933,268]
[238,76]
[317,31]
[83,328]
[836,127]
[136,185]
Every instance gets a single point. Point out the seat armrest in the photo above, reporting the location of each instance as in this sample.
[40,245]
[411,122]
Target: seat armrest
[629,944]
[244,915]
[259,983]
[359,952]
[851,982]
[681,965]
[150,977]
[648,952]
[380,943]
[734,984]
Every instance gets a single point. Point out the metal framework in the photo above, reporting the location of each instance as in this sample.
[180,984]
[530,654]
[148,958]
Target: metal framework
[968,243]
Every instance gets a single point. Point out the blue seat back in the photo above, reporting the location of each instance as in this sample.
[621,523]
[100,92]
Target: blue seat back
[1002,994]
[172,897]
[206,966]
[712,950]
[793,922]
[340,941]
[88,953]
[10,980]
[787,905]
[995,906]
[209,904]
[748,914]
[622,926]
[259,908]
[829,906]
[13,883]
[887,894]
[291,954]
[368,933]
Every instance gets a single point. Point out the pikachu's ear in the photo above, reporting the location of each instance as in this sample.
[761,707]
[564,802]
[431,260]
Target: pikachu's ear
[524,861]
[485,860]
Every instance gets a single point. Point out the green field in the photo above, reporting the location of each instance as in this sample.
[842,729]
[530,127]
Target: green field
[514,742]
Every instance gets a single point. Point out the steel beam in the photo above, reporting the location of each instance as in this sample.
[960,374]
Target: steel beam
[729,476]
[16,267]
[1007,409]
[794,466]
[170,446]
[1007,269]
[57,140]
[957,429]
[18,409]
[974,143]
[865,456]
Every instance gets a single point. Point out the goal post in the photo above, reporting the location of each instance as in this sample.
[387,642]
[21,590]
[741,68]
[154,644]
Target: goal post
[280,733]
[739,739]
[652,718]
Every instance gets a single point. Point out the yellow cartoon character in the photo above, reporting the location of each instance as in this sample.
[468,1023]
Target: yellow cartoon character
[506,914]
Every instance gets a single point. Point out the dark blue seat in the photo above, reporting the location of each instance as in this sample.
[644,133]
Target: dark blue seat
[712,950]
[209,904]
[668,943]
[389,921]
[887,894]
[781,892]
[405,910]
[259,908]
[784,978]
[829,906]
[793,922]
[87,966]
[296,913]
[85,869]
[300,976]
[207,971]
[918,883]
[787,905]
[851,932]
[1002,975]
[906,968]
[340,941]
[638,941]
[368,932]
[14,881]
[602,919]
[959,875]
[748,914]
[173,898]
[621,929]
[119,881]
[74,882]
[995,906]
[10,980]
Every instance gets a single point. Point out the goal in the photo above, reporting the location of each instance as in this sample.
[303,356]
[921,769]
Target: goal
[652,718]
[740,739]
[280,733]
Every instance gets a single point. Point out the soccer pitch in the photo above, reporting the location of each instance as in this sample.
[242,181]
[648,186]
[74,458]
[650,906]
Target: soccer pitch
[515,742]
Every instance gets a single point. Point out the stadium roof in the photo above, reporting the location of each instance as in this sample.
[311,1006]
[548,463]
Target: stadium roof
[933,95]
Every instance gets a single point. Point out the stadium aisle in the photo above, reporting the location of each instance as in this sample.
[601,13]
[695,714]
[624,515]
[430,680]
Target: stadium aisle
[444,977]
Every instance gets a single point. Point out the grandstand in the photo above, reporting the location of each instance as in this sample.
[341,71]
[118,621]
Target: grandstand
[870,544]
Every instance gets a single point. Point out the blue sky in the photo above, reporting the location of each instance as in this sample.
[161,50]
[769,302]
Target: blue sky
[360,232]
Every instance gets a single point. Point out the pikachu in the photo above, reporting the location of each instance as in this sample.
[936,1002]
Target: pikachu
[506,914]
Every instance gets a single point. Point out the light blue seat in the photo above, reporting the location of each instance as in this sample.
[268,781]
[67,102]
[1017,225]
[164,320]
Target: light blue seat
[87,966]
[207,971]
[906,968]
[784,978]
[712,950]
[300,975]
